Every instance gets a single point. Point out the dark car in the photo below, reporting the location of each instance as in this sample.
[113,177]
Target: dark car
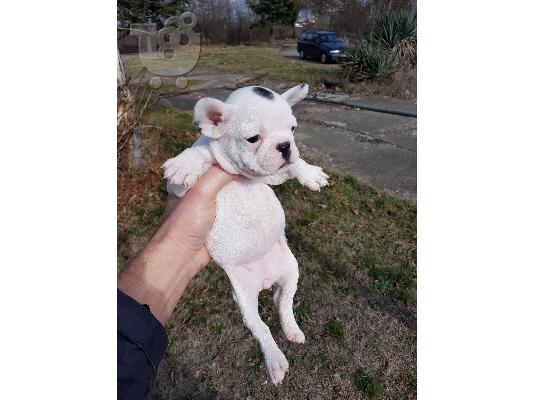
[324,45]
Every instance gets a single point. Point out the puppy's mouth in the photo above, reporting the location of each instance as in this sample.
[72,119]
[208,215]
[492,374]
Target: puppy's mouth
[285,164]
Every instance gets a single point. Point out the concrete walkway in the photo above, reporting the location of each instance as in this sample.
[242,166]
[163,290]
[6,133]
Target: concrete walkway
[379,149]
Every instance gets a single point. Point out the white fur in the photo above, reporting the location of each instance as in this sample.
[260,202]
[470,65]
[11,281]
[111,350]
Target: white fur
[247,239]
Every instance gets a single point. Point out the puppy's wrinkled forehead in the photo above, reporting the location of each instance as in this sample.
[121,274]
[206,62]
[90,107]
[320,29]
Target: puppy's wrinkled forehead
[269,106]
[267,110]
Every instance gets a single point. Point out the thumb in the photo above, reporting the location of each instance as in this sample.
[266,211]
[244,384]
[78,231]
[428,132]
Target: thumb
[211,182]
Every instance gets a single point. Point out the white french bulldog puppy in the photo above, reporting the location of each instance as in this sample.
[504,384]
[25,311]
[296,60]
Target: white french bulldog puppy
[251,134]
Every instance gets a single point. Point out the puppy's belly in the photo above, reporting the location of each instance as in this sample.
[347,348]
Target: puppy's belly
[249,220]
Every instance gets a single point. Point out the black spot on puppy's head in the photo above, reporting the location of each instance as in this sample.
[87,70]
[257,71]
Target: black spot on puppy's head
[261,91]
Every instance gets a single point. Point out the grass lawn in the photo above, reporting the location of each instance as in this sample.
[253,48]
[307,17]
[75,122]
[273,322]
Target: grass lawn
[356,299]
[253,60]
[258,60]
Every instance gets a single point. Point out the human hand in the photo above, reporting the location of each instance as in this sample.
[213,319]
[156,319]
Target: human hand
[176,252]
[187,221]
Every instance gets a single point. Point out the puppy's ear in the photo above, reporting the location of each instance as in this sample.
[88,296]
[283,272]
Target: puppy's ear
[295,94]
[209,114]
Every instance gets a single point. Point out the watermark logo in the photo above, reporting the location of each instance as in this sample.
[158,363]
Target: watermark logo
[168,53]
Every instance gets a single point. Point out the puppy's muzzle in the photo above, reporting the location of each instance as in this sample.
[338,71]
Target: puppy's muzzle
[285,149]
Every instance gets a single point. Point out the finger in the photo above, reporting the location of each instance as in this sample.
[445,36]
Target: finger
[211,182]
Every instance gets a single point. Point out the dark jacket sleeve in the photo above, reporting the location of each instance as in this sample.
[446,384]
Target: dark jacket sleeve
[141,344]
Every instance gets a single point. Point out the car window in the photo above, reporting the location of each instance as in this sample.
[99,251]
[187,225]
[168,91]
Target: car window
[330,38]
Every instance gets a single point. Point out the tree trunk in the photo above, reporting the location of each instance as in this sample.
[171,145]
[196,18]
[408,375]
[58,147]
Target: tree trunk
[129,143]
[271,34]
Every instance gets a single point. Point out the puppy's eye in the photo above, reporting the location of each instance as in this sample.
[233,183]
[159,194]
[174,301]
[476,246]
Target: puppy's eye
[293,128]
[253,139]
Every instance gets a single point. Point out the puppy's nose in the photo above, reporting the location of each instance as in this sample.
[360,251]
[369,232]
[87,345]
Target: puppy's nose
[285,149]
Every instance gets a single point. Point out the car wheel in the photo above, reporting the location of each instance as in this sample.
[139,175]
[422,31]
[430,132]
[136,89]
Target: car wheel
[301,55]
[324,58]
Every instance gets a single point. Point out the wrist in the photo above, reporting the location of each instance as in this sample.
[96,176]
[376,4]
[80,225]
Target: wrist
[180,245]
[172,255]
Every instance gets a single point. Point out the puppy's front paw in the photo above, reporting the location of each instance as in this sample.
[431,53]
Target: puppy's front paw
[277,366]
[185,169]
[313,177]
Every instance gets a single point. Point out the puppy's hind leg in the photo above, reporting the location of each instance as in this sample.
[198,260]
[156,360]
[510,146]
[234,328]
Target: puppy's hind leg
[285,291]
[246,284]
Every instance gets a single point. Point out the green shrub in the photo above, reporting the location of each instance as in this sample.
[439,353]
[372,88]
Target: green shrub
[397,32]
[367,60]
[392,44]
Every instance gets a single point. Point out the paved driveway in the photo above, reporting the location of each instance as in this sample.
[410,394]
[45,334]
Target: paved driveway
[379,149]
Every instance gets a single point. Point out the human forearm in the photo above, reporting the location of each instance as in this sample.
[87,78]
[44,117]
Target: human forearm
[158,276]
[160,273]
